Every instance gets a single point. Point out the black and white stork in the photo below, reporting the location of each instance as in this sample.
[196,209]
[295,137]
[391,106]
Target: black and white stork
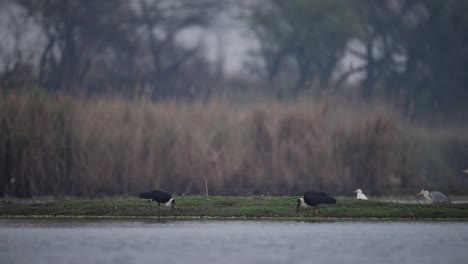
[159,197]
[314,199]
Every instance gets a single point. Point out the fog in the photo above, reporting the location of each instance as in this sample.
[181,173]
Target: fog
[237,93]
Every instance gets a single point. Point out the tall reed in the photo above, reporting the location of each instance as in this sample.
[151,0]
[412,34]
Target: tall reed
[57,145]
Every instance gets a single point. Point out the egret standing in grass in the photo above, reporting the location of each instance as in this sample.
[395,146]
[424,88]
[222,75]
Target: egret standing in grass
[314,199]
[433,197]
[159,197]
[360,195]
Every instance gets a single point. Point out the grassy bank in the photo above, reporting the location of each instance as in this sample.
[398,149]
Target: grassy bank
[233,207]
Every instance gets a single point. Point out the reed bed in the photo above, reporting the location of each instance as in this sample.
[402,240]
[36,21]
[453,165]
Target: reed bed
[63,146]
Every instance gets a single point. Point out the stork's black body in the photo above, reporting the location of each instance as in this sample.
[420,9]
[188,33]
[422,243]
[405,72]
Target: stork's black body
[159,197]
[156,195]
[314,199]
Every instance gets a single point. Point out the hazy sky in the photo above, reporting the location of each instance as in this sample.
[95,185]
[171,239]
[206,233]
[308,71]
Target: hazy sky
[227,35]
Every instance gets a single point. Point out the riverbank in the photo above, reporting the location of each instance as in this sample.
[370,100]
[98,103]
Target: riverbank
[196,207]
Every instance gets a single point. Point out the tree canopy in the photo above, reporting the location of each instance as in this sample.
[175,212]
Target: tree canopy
[412,53]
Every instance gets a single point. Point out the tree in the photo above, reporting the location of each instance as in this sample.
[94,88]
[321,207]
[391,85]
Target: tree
[75,32]
[121,46]
[417,51]
[161,23]
[15,59]
[436,49]
[309,37]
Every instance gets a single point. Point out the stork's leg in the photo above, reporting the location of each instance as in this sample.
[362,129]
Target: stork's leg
[313,212]
[158,209]
[318,207]
[149,204]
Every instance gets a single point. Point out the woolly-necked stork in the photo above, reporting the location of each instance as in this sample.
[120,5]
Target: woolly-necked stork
[434,196]
[160,197]
[360,195]
[314,199]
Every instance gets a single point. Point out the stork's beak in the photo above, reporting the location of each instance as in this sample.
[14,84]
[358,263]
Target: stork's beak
[355,191]
[419,193]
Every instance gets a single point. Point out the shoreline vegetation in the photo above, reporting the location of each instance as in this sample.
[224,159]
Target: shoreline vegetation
[228,207]
[54,145]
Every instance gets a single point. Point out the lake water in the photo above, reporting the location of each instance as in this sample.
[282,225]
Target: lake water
[72,241]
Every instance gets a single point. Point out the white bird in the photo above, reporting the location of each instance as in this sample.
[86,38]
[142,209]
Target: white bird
[360,195]
[465,171]
[434,196]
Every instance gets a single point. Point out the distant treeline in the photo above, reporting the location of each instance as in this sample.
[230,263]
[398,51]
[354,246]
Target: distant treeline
[411,53]
[56,145]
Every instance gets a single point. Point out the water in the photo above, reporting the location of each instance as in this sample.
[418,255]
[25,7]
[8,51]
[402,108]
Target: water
[40,241]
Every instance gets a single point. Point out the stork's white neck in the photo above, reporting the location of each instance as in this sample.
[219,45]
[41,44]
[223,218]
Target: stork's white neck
[168,204]
[303,204]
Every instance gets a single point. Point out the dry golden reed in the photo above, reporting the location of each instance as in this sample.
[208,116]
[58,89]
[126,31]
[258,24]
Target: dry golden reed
[58,145]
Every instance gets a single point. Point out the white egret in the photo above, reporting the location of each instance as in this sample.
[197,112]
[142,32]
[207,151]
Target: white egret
[434,196]
[360,195]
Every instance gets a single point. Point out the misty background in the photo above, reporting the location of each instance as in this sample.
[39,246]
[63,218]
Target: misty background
[232,97]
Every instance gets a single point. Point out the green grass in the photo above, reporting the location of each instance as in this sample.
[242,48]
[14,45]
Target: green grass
[233,207]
